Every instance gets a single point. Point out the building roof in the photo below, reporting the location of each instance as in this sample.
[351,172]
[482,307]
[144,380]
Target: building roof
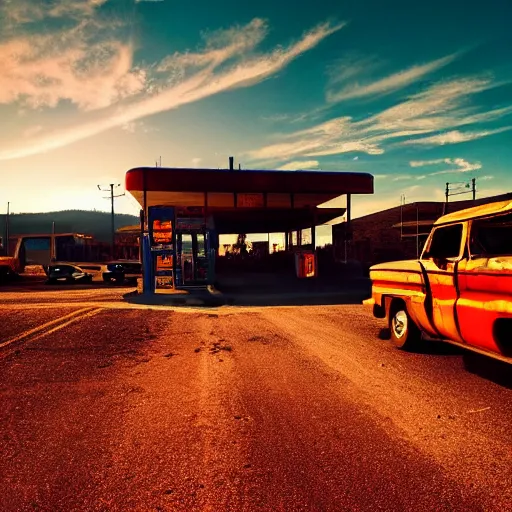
[414,223]
[431,209]
[485,210]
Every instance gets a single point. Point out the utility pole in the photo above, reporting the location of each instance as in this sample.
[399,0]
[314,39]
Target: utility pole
[7,231]
[402,204]
[112,197]
[417,231]
[458,190]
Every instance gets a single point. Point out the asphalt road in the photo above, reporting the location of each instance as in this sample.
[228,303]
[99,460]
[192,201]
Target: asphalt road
[104,408]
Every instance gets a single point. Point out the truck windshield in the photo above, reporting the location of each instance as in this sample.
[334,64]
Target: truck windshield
[491,237]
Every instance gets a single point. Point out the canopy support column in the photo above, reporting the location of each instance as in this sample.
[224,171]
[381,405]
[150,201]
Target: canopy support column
[348,230]
[313,231]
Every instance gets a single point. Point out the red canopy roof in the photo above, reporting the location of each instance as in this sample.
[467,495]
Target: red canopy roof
[249,200]
[162,179]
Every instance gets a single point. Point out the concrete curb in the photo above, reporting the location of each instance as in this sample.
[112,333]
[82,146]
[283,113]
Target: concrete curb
[218,299]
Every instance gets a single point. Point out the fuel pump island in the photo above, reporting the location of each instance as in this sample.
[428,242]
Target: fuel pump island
[183,212]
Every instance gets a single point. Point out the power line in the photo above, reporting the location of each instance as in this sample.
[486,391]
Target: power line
[459,190]
[112,197]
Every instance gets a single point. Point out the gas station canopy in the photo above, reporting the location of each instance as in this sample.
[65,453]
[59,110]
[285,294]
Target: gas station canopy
[248,201]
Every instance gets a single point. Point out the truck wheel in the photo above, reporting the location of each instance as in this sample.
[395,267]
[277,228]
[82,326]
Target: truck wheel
[404,332]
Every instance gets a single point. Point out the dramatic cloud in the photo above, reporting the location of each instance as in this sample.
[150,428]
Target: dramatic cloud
[460,164]
[385,85]
[81,60]
[27,11]
[45,70]
[453,137]
[297,165]
[442,106]
[104,76]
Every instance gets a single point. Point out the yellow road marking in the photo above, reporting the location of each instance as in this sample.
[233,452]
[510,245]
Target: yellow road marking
[58,323]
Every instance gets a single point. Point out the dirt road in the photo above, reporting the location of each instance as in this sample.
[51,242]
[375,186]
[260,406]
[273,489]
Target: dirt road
[241,409]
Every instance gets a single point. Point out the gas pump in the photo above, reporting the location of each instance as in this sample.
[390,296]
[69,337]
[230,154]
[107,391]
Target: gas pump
[181,249]
[163,244]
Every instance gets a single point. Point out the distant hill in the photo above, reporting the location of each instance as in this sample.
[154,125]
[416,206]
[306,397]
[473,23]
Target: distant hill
[92,223]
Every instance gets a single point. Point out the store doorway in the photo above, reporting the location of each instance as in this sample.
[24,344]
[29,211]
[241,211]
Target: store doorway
[193,255]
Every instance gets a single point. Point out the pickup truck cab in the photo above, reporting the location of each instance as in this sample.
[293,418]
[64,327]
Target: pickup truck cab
[459,291]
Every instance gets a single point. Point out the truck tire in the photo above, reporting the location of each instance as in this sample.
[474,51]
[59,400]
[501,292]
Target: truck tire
[404,332]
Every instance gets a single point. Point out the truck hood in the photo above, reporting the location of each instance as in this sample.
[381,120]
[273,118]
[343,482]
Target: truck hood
[400,266]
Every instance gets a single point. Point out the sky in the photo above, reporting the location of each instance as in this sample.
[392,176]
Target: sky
[416,93]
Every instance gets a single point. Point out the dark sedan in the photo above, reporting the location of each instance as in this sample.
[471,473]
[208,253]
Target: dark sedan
[121,271]
[67,273]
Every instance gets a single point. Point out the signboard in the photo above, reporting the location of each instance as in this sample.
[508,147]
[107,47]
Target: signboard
[187,211]
[161,226]
[164,261]
[162,247]
[250,200]
[190,224]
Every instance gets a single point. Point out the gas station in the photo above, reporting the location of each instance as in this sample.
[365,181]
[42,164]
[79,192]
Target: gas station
[185,210]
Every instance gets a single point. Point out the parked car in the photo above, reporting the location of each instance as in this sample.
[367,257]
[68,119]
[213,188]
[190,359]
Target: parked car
[121,271]
[459,291]
[67,273]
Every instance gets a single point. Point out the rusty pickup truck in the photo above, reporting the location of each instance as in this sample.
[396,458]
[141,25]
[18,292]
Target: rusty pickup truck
[459,291]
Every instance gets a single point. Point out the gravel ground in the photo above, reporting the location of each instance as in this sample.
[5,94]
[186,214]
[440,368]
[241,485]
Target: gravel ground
[241,409]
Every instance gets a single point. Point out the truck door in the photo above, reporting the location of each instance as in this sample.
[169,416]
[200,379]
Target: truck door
[441,258]
[484,307]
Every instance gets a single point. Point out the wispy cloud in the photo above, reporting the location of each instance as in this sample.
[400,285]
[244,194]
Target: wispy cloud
[131,93]
[299,164]
[460,165]
[32,130]
[138,126]
[441,106]
[384,85]
[84,61]
[453,137]
[15,12]
[406,177]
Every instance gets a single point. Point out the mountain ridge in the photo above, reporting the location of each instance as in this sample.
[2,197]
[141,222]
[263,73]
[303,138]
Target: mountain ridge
[89,222]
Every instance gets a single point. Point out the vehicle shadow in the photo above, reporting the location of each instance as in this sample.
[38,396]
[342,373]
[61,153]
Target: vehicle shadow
[28,286]
[428,347]
[487,368]
[312,299]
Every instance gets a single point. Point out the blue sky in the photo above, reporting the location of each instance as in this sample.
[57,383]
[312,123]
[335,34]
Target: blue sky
[418,94]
